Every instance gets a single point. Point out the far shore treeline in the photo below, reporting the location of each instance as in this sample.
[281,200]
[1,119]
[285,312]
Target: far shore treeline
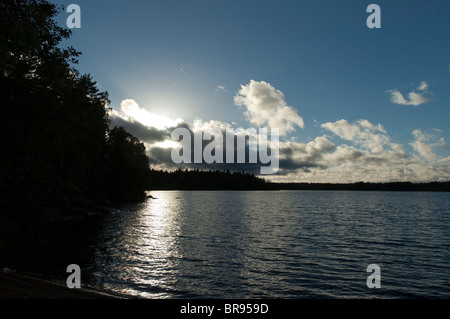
[226,180]
[56,140]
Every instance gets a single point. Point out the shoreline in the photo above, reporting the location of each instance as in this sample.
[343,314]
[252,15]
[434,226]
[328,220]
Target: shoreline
[14,285]
[441,186]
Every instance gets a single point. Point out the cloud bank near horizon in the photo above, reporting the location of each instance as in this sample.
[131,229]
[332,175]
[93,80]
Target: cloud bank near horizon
[345,152]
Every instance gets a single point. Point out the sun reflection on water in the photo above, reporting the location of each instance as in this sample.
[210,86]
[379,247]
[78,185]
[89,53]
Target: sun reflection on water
[155,246]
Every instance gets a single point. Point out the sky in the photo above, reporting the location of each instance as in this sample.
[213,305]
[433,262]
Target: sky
[351,103]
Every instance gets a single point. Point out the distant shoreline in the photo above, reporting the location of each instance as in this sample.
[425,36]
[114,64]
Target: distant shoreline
[391,186]
[360,186]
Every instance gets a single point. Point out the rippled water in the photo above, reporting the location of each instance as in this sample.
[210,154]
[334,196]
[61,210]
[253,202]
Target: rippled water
[275,244]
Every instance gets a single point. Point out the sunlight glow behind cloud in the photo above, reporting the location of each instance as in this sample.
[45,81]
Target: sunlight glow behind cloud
[132,110]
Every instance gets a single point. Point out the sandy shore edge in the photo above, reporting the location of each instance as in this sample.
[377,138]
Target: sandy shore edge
[20,286]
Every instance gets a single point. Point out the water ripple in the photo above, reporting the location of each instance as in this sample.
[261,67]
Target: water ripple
[287,244]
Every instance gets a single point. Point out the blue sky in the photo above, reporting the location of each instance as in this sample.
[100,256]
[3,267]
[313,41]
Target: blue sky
[190,59]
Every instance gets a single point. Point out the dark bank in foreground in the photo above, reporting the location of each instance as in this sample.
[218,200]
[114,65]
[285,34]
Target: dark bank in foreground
[17,288]
[20,286]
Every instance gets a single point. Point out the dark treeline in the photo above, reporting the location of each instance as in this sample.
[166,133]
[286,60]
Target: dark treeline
[226,180]
[55,137]
[393,186]
[205,180]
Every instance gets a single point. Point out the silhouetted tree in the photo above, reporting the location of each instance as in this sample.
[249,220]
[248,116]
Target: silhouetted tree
[54,137]
[205,180]
[129,170]
[35,74]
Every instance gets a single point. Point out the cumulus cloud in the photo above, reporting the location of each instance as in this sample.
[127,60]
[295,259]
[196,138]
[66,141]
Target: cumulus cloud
[362,132]
[159,153]
[144,133]
[423,86]
[413,97]
[348,163]
[422,146]
[424,143]
[155,132]
[347,152]
[304,156]
[366,154]
[148,127]
[266,105]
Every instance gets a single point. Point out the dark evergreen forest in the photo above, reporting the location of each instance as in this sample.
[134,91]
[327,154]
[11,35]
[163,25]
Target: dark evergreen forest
[55,137]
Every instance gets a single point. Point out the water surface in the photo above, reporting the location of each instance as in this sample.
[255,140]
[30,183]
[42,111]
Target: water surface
[275,244]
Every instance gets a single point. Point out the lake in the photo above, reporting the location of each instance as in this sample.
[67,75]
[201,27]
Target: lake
[273,244]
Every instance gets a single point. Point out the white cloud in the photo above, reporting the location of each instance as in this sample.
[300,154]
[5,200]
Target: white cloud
[362,132]
[131,111]
[424,143]
[296,155]
[221,88]
[199,125]
[266,105]
[423,86]
[367,155]
[414,98]
[365,152]
[446,159]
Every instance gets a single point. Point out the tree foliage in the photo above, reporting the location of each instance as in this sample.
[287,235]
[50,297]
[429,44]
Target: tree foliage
[55,136]
[205,180]
[128,162]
